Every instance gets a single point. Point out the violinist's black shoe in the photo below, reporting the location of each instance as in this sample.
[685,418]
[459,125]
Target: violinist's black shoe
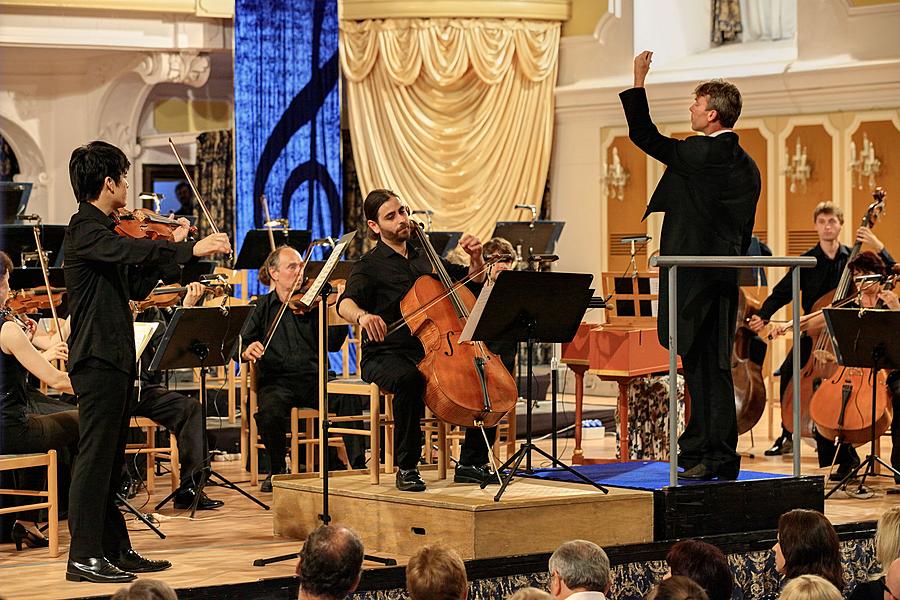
[782,445]
[185,499]
[409,480]
[132,562]
[96,570]
[473,474]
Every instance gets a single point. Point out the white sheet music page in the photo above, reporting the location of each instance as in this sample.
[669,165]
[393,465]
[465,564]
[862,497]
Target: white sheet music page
[142,334]
[327,269]
[475,314]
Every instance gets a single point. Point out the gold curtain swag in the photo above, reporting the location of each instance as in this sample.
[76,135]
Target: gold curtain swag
[455,115]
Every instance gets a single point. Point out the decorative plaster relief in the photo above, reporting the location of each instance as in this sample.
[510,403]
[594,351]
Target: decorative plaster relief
[121,135]
[189,68]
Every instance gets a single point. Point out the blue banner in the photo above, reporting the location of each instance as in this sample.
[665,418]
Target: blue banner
[287,116]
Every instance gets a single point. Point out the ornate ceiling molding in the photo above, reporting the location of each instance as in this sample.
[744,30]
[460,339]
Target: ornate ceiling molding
[189,67]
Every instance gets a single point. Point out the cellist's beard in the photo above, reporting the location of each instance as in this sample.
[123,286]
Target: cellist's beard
[397,236]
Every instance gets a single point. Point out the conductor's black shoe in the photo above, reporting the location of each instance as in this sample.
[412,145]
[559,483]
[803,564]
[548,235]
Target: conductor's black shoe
[473,474]
[133,562]
[185,499]
[96,570]
[699,472]
[409,480]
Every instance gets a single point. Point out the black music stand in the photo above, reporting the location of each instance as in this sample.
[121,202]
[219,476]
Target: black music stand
[200,337]
[531,306]
[538,237]
[444,241]
[13,200]
[18,239]
[865,338]
[256,247]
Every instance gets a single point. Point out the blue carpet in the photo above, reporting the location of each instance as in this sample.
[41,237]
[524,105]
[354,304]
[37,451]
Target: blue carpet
[647,475]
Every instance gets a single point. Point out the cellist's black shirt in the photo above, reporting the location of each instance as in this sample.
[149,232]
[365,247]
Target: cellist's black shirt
[103,272]
[814,282]
[378,282]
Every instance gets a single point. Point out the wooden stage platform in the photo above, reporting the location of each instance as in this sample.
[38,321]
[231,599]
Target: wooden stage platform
[463,515]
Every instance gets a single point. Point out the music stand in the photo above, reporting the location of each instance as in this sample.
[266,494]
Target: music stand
[13,200]
[550,312]
[444,241]
[538,237]
[341,269]
[865,338]
[256,247]
[17,240]
[200,337]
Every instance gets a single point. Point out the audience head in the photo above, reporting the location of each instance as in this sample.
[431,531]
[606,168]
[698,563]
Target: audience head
[887,538]
[578,566]
[330,563]
[146,589]
[436,572]
[705,564]
[808,545]
[530,593]
[892,579]
[809,587]
[677,587]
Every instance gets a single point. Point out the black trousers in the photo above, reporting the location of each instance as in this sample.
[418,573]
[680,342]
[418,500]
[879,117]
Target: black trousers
[40,433]
[400,376]
[710,437]
[104,397]
[182,415]
[275,401]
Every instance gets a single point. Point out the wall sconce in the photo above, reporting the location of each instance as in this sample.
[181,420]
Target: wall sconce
[798,169]
[615,177]
[864,165]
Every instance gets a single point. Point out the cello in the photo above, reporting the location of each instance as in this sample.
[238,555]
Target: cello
[749,387]
[821,363]
[466,384]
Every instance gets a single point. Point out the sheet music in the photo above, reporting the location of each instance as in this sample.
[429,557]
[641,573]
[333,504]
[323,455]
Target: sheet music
[143,332]
[310,296]
[654,289]
[475,314]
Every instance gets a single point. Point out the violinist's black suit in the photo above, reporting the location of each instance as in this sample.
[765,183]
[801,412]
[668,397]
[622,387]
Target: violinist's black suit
[708,194]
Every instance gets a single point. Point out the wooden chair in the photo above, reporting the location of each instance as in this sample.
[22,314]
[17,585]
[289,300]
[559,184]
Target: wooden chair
[149,448]
[8,462]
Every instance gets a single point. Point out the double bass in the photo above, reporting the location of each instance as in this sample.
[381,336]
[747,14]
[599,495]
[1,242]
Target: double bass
[820,364]
[466,384]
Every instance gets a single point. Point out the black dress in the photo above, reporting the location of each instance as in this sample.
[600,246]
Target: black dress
[23,433]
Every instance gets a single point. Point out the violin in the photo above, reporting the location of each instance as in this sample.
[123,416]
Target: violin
[7,315]
[32,300]
[166,296]
[465,383]
[143,223]
[298,308]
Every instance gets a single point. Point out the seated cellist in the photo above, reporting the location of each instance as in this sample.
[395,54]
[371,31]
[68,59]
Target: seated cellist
[377,283]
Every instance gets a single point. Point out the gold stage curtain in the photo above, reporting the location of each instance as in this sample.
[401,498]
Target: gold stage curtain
[455,115]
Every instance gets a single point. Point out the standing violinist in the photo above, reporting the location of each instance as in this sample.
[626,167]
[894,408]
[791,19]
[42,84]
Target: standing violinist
[287,372]
[831,258]
[103,272]
[377,284]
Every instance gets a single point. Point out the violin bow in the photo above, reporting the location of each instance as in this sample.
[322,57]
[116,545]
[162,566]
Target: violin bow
[268,221]
[212,224]
[45,272]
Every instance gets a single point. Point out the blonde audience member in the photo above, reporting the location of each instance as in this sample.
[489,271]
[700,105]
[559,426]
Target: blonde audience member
[677,587]
[146,589]
[884,586]
[530,593]
[436,572]
[809,587]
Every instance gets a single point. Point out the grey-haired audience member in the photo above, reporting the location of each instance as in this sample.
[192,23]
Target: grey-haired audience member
[579,570]
[146,589]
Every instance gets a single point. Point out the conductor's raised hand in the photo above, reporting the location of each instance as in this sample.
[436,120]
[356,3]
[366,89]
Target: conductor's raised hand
[642,67]
[374,327]
[216,243]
